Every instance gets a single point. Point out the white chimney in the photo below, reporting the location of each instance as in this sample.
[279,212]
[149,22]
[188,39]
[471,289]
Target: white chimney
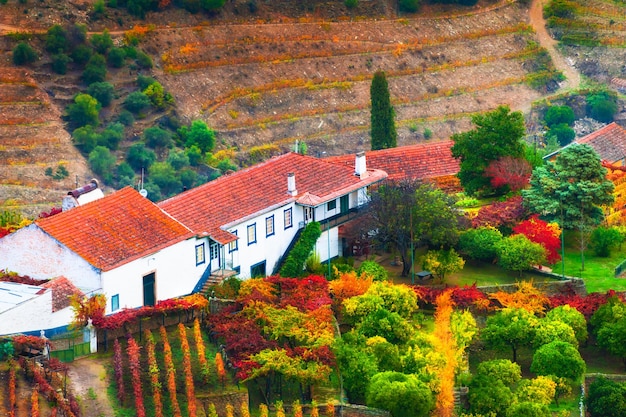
[360,166]
[291,184]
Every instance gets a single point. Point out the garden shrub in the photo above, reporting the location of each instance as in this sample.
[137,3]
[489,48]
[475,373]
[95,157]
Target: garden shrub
[480,243]
[401,394]
[602,105]
[563,133]
[604,239]
[296,258]
[559,114]
[374,270]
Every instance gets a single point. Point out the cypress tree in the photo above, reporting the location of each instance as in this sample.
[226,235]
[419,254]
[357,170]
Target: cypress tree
[383,128]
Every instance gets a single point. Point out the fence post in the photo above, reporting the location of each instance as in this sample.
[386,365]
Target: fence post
[93,337]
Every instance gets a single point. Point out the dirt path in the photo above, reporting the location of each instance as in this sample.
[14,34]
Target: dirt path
[89,381]
[539,24]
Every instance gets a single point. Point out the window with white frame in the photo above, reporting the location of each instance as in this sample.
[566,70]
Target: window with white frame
[288,218]
[308,214]
[252,234]
[269,226]
[199,254]
[232,246]
[214,250]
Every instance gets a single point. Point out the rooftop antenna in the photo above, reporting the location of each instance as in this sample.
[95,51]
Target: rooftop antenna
[143,191]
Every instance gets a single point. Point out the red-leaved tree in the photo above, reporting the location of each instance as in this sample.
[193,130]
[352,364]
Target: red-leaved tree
[503,213]
[544,233]
[509,171]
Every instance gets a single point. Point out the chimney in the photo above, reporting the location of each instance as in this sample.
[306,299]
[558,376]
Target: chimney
[360,166]
[291,184]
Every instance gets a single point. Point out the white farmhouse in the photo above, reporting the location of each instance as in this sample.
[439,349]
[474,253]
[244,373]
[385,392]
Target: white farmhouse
[246,221]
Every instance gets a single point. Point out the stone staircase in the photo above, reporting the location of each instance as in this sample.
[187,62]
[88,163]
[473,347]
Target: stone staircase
[216,278]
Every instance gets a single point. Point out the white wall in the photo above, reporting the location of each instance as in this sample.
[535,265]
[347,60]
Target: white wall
[34,315]
[328,243]
[266,248]
[30,251]
[175,270]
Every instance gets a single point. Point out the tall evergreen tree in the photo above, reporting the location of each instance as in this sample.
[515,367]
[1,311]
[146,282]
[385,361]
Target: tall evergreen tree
[383,128]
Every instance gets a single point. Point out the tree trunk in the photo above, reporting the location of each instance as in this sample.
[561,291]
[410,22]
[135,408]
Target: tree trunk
[514,354]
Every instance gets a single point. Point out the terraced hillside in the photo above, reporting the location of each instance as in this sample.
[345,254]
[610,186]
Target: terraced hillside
[275,83]
[32,139]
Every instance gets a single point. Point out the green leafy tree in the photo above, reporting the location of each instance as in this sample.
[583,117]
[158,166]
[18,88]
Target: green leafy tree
[497,134]
[101,91]
[389,325]
[560,359]
[383,125]
[102,162]
[84,111]
[612,337]
[56,39]
[610,312]
[144,81]
[357,365]
[480,243]
[165,176]
[194,154]
[509,373]
[487,396]
[198,134]
[442,262]
[138,156]
[604,239]
[24,54]
[157,95]
[144,60]
[111,136]
[556,115]
[574,318]
[102,42]
[540,390]
[188,177]
[510,328]
[136,102]
[59,63]
[373,269]
[551,330]
[86,138]
[212,5]
[116,57]
[528,409]
[571,190]
[518,253]
[157,138]
[178,159]
[602,105]
[381,295]
[95,70]
[606,398]
[563,134]
[401,394]
[125,175]
[409,6]
[81,54]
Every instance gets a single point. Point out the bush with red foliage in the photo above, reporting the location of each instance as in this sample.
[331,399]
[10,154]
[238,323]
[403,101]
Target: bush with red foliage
[12,386]
[463,297]
[20,279]
[544,233]
[118,369]
[132,350]
[53,211]
[587,305]
[508,171]
[189,388]
[503,213]
[306,294]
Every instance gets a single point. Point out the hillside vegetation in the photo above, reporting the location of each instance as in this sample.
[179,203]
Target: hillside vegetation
[263,79]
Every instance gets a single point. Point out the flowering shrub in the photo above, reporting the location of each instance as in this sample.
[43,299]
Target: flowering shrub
[189,389]
[219,365]
[34,403]
[204,364]
[117,320]
[170,372]
[132,349]
[153,370]
[118,368]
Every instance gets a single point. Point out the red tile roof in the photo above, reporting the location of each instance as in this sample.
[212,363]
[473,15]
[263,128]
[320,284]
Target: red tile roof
[609,142]
[421,161]
[62,288]
[217,205]
[115,230]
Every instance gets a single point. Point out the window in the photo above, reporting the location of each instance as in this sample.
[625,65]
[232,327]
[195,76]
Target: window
[269,226]
[199,254]
[331,205]
[115,302]
[308,214]
[252,234]
[232,246]
[288,218]
[214,249]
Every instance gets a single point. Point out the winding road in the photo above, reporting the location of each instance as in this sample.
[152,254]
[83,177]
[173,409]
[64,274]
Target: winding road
[539,24]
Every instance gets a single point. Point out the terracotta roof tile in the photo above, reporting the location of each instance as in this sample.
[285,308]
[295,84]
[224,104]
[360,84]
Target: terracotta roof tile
[62,288]
[213,207]
[420,161]
[115,230]
[609,142]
